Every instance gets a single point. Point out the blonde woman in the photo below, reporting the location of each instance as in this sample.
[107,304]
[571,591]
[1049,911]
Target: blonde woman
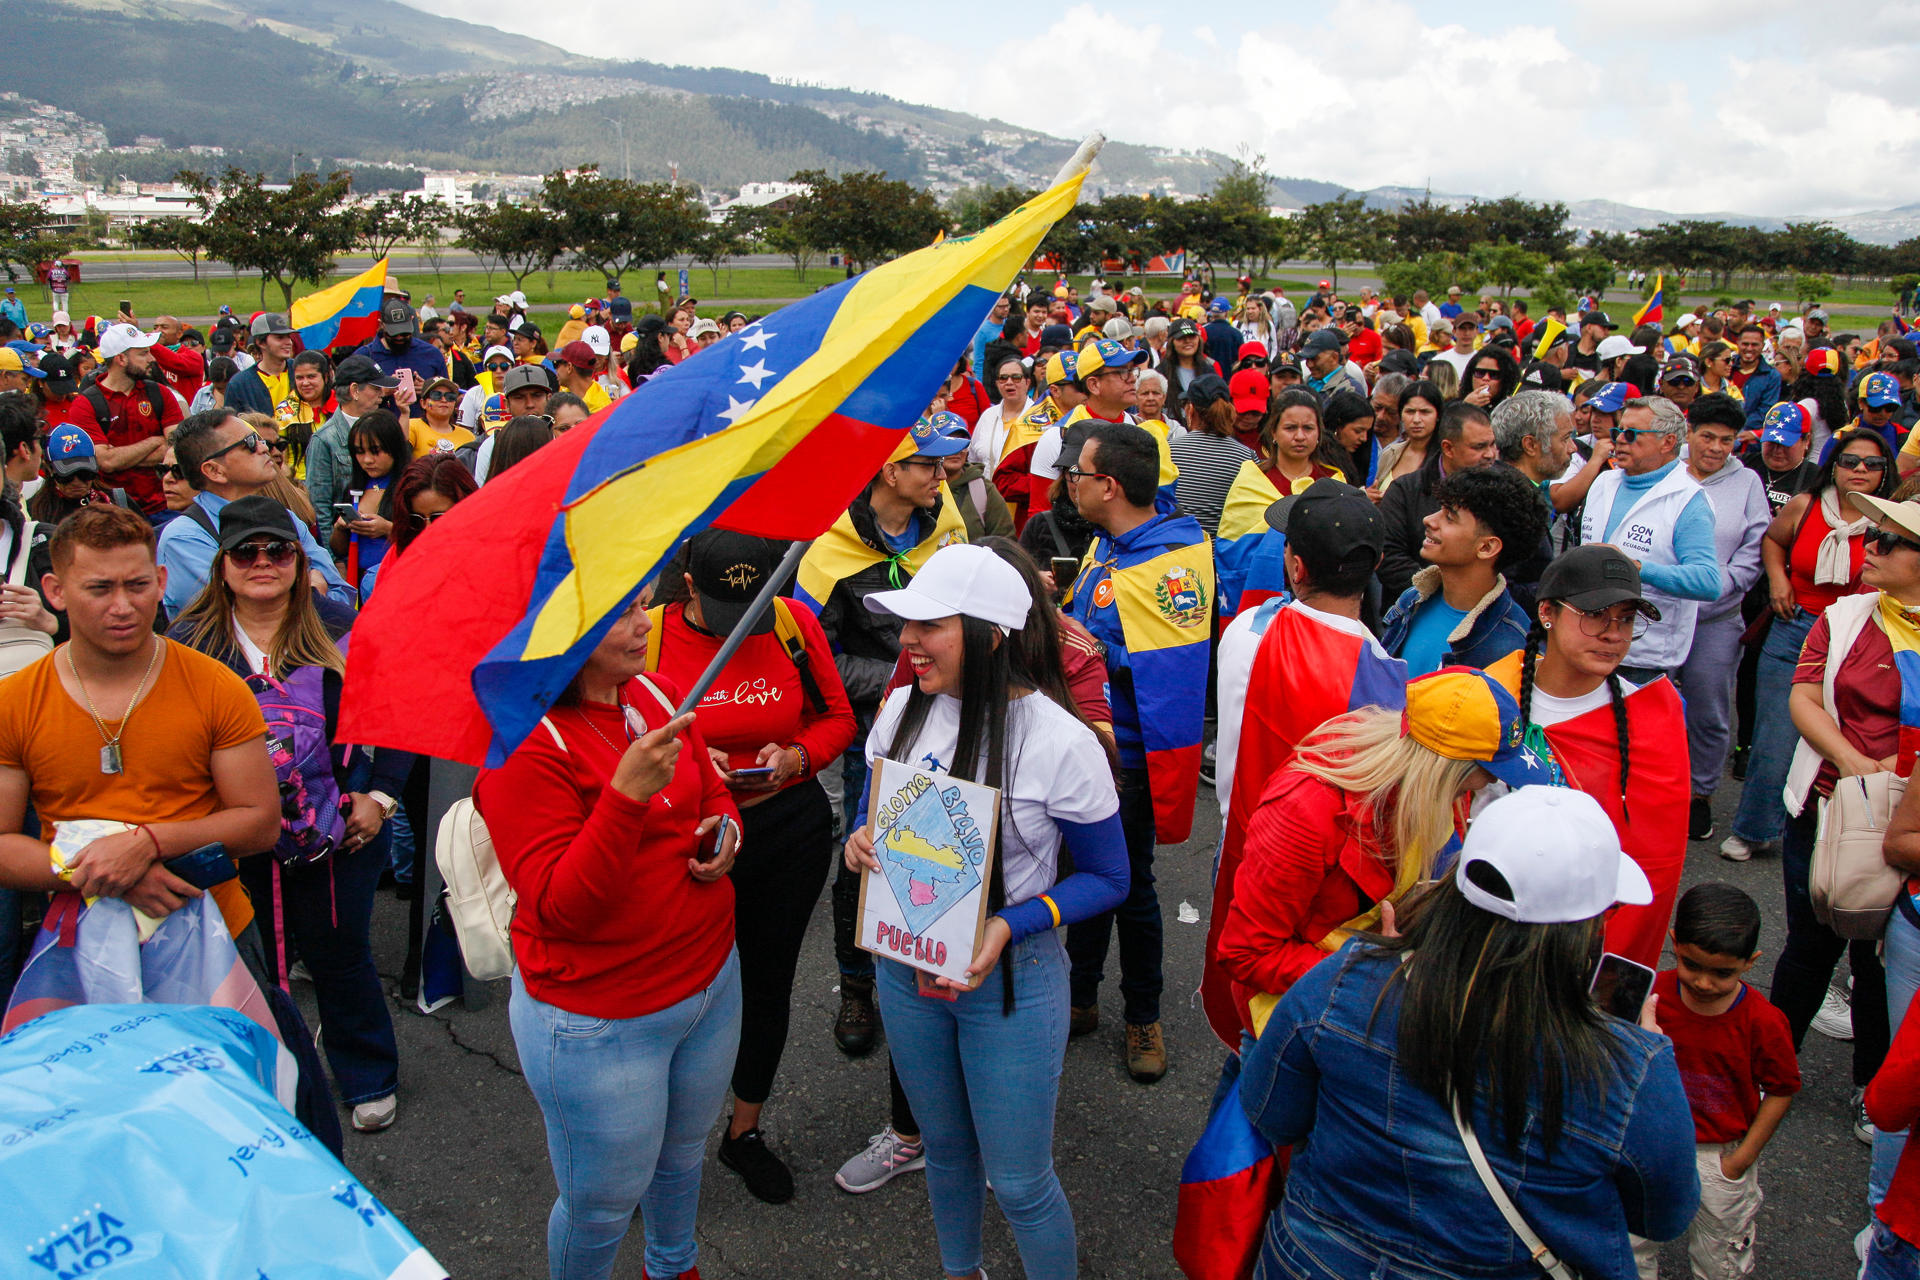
[1356,820]
[258,615]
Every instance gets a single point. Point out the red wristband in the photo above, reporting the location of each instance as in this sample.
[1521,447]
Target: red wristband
[142,827]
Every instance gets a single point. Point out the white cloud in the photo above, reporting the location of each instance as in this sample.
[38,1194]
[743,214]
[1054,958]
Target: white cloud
[1778,112]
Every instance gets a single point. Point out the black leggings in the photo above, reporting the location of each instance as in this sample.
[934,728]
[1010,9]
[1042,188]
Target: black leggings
[785,845]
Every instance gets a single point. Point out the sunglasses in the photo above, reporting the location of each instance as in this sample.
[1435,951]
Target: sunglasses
[1678,380]
[251,442]
[495,366]
[279,553]
[1487,373]
[419,521]
[170,471]
[1860,462]
[73,477]
[443,395]
[278,446]
[1627,435]
[1880,542]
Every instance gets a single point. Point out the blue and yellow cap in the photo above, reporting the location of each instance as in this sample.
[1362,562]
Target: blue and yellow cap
[1463,713]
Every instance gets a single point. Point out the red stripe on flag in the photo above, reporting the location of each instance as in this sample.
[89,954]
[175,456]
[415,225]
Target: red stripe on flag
[1172,775]
[786,503]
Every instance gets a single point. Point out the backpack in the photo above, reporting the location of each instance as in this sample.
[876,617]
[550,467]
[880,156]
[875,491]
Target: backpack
[21,645]
[156,401]
[311,824]
[790,639]
[479,901]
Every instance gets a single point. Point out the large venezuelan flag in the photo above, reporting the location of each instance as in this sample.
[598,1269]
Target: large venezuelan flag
[1231,1181]
[343,314]
[1248,553]
[1651,313]
[771,431]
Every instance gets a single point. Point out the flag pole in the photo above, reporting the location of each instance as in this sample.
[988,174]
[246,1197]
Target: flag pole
[742,629]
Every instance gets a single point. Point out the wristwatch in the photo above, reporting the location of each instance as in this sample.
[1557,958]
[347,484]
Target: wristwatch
[386,802]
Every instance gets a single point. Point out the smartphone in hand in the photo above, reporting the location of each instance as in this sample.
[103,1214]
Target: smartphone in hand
[1620,986]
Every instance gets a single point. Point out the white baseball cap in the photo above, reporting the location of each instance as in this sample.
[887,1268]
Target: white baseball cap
[60,318]
[965,579]
[1558,853]
[597,338]
[518,298]
[497,350]
[1614,345]
[121,338]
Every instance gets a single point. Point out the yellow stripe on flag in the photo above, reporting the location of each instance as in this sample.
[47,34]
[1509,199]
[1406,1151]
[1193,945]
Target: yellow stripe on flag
[620,529]
[840,553]
[316,307]
[1167,601]
[1245,511]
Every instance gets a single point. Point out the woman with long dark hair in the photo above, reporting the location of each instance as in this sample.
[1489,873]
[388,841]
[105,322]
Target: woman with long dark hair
[1346,437]
[381,452]
[982,1070]
[1420,406]
[1392,1066]
[519,440]
[1489,377]
[306,409]
[1291,438]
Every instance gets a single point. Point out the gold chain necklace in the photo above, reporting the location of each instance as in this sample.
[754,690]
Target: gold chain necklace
[110,753]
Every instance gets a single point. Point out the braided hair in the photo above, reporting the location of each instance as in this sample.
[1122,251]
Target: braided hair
[1536,640]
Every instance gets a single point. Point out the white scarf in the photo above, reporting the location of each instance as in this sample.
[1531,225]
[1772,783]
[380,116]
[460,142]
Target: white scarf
[1833,562]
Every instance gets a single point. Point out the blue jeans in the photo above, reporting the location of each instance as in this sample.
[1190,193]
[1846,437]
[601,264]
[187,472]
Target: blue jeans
[627,1104]
[1889,1257]
[983,1085]
[328,908]
[1762,812]
[1901,956]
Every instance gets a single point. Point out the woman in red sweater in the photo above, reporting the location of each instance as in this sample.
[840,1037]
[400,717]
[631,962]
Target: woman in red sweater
[616,833]
[771,721]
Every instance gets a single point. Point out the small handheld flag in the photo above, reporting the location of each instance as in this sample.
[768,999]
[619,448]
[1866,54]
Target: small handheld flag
[1651,312]
[347,313]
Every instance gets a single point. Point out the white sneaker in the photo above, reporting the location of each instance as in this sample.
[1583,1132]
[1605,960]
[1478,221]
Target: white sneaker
[1835,1019]
[372,1117]
[1735,849]
[886,1154]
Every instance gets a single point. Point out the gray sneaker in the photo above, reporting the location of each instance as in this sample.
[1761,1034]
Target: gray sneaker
[886,1155]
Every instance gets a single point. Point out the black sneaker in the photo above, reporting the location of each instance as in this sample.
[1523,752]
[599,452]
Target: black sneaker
[766,1176]
[1700,818]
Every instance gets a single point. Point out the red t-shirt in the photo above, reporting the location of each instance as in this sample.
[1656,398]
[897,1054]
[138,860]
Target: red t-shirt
[610,923]
[59,410]
[1728,1060]
[1082,658]
[1523,328]
[1866,693]
[185,370]
[1893,1104]
[132,421]
[969,401]
[1365,347]
[759,698]
[1803,556]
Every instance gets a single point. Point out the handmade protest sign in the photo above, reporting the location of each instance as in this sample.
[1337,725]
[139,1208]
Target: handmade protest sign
[934,838]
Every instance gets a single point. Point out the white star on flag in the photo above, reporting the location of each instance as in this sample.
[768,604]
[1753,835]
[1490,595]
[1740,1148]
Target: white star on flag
[756,373]
[735,410]
[756,339]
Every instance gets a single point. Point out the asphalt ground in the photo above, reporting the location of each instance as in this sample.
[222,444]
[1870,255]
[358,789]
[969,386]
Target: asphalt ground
[465,1166]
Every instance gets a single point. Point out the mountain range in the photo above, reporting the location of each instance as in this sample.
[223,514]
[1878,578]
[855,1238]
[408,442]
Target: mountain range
[377,82]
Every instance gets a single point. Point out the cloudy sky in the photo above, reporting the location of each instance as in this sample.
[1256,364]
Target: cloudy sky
[1760,106]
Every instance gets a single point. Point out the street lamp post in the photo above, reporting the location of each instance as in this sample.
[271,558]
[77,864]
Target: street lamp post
[626,157]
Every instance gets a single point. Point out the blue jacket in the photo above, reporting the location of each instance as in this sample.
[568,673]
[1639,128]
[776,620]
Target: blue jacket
[1491,630]
[247,392]
[1380,1175]
[1760,394]
[426,360]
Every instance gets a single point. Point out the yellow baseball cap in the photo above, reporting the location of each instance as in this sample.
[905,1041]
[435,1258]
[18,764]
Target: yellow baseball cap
[1463,713]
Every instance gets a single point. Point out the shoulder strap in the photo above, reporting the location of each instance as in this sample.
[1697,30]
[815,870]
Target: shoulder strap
[198,514]
[655,616]
[791,640]
[658,696]
[97,400]
[156,394]
[1543,1257]
[17,571]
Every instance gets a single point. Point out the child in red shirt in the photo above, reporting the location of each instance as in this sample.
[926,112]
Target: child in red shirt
[1736,1059]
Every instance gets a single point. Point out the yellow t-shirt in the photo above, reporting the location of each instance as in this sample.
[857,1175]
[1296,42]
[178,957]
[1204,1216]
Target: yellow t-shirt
[596,397]
[426,440]
[279,385]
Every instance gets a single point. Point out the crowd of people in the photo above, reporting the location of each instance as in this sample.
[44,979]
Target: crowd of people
[1429,594]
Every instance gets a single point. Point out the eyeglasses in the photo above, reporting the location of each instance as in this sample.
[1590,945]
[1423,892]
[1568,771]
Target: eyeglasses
[169,471]
[251,442]
[279,553]
[1071,474]
[419,521]
[1011,377]
[1596,624]
[1882,541]
[1860,462]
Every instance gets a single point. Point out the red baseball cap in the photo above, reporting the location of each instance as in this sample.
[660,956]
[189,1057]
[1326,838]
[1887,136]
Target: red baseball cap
[1252,349]
[1249,389]
[578,354]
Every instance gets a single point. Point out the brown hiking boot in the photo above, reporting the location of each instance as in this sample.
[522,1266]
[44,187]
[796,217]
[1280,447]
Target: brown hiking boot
[853,1029]
[1146,1052]
[1082,1022]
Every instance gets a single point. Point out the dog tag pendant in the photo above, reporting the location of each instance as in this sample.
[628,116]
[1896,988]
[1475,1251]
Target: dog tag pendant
[110,758]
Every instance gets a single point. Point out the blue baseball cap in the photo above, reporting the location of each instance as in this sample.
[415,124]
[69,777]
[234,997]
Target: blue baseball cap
[927,440]
[1786,423]
[1610,398]
[1220,305]
[69,449]
[1879,390]
[1105,353]
[951,425]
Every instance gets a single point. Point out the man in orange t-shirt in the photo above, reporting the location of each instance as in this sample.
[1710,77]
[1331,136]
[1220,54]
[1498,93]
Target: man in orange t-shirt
[122,724]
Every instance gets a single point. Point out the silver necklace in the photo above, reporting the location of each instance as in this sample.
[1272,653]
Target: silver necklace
[110,753]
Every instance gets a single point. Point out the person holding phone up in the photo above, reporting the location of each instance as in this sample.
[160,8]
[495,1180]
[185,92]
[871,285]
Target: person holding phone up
[616,832]
[776,716]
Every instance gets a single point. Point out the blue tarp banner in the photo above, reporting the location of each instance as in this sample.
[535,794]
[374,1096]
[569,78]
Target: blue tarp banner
[153,1141]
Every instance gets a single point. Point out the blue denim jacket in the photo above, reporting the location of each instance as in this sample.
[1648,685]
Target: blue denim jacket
[1493,629]
[1380,1184]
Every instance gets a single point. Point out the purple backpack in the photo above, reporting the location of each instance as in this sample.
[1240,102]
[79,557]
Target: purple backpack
[311,824]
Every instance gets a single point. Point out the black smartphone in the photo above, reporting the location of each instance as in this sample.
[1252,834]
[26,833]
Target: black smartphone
[126,306]
[1620,986]
[1065,570]
[752,775]
[204,867]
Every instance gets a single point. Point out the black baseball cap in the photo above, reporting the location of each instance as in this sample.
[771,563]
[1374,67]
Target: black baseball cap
[397,317]
[1333,521]
[1184,327]
[1399,360]
[1594,577]
[1321,340]
[1599,318]
[362,370]
[59,374]
[528,330]
[254,517]
[1207,388]
[728,571]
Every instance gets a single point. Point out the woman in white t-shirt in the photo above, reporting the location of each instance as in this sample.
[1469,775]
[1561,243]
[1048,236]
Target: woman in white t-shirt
[1012,382]
[981,1063]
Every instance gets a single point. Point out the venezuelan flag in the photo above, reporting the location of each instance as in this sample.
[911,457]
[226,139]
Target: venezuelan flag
[1231,1181]
[1651,312]
[1248,554]
[343,314]
[771,431]
[1164,605]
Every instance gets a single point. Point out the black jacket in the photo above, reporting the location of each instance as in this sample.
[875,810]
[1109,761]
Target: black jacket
[866,645]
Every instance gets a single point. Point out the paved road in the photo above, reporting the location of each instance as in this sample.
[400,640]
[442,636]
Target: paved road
[466,1168]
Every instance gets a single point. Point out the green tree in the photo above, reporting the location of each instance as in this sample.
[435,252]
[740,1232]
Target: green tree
[1585,273]
[1421,227]
[1339,230]
[287,236]
[1434,272]
[718,241]
[976,208]
[790,233]
[1507,266]
[611,225]
[182,236]
[1901,285]
[519,238]
[867,216]
[1614,246]
[1537,228]
[381,223]
[25,241]
[1810,287]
